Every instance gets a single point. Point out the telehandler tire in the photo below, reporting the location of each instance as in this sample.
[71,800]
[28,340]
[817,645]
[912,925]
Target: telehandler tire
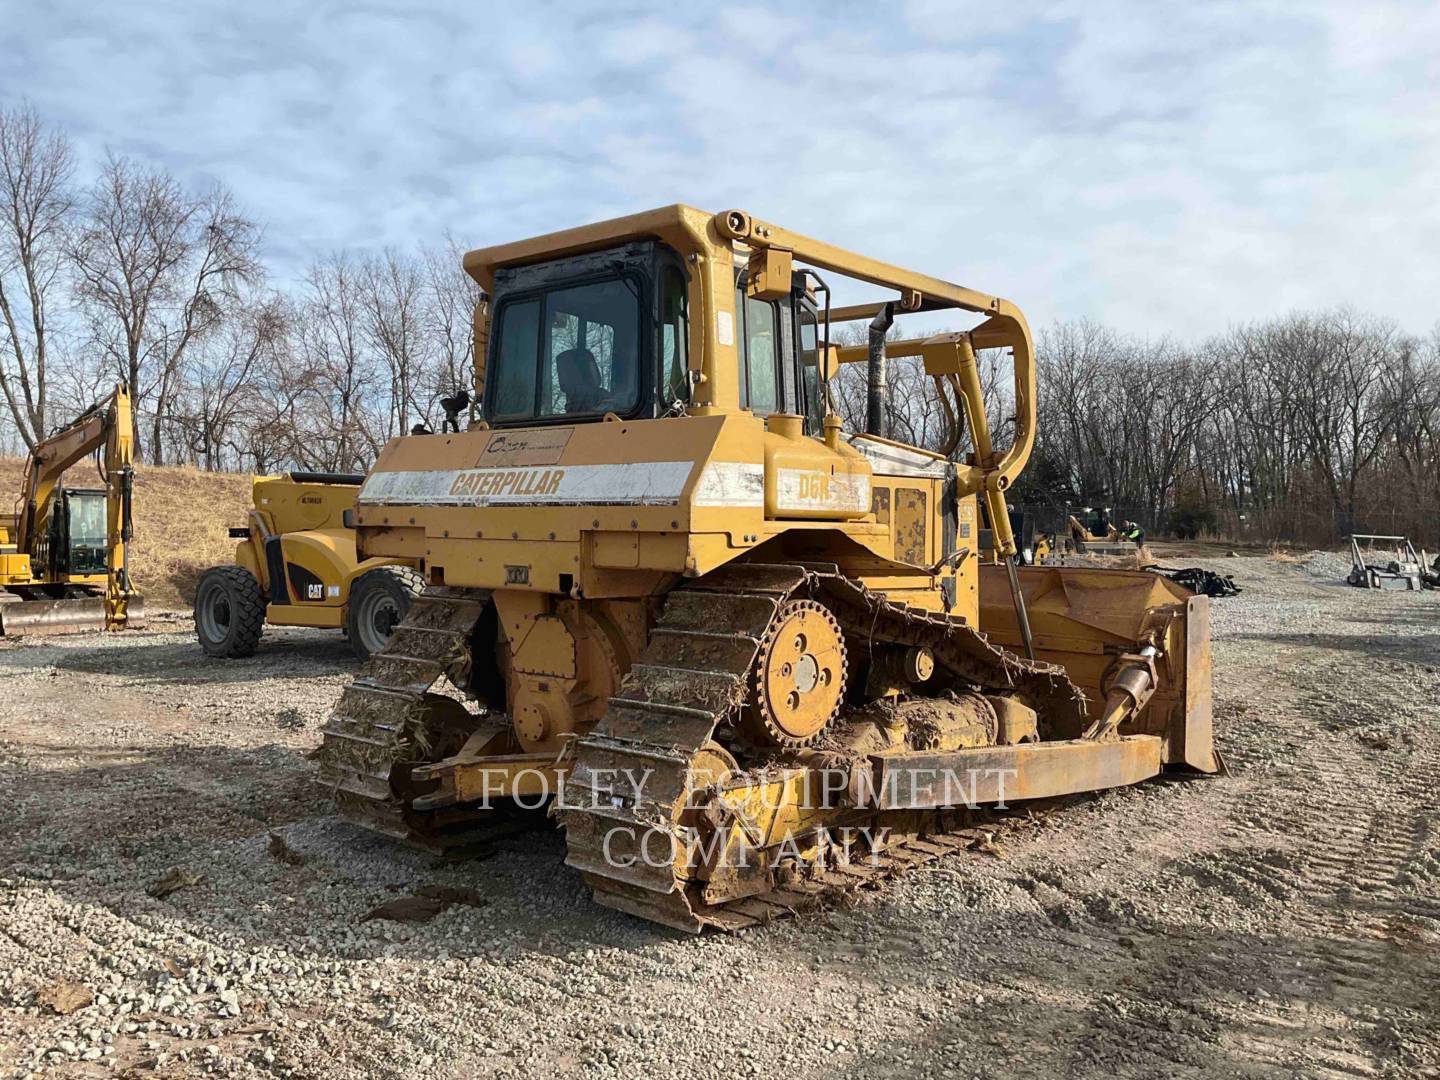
[379,599]
[229,612]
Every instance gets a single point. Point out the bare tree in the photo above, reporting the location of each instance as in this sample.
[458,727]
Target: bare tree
[336,397]
[450,299]
[155,267]
[1071,358]
[273,423]
[393,296]
[36,204]
[222,375]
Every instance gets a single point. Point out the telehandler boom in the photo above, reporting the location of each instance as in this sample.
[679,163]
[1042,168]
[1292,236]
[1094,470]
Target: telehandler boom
[751,656]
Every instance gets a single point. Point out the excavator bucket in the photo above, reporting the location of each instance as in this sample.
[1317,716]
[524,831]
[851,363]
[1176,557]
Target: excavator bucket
[1087,619]
[70,616]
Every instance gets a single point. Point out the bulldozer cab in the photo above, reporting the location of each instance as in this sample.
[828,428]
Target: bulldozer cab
[606,334]
[575,339]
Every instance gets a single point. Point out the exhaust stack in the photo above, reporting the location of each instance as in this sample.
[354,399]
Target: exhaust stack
[879,391]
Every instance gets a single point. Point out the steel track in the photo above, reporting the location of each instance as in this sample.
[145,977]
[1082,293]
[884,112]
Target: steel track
[692,680]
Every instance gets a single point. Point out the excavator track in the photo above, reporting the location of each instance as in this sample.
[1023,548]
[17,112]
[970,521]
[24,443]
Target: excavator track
[387,721]
[692,679]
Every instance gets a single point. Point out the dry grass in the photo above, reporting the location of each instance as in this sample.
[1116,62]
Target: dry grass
[1280,554]
[1134,560]
[181,515]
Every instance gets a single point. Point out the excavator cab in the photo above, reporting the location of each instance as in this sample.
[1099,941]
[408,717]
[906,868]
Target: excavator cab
[74,548]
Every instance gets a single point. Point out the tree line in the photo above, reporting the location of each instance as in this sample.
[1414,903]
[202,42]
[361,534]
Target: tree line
[1302,427]
[128,275]
[1305,427]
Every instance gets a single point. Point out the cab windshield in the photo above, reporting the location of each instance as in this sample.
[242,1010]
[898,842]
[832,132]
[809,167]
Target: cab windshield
[88,528]
[569,351]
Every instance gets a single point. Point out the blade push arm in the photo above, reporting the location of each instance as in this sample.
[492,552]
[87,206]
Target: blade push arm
[950,361]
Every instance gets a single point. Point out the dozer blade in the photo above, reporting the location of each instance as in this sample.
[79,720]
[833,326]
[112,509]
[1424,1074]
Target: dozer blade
[1086,619]
[72,616]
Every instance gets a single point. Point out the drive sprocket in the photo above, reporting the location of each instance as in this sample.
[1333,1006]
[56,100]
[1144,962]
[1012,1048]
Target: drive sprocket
[799,676]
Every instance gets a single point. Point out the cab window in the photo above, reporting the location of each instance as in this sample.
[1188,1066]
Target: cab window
[88,532]
[674,341]
[759,386]
[810,371]
[573,351]
[514,377]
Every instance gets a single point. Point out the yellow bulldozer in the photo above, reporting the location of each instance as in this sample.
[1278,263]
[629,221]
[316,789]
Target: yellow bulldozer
[296,565]
[64,554]
[751,659]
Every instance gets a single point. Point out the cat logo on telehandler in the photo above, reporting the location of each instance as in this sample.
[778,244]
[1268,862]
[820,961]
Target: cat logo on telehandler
[751,657]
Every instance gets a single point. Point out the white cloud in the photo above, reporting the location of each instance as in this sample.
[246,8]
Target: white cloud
[1165,167]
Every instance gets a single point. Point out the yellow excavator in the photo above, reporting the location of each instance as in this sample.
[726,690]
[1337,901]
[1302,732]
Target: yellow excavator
[64,556]
[295,565]
[751,659]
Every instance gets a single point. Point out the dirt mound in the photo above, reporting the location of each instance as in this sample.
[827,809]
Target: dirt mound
[181,515]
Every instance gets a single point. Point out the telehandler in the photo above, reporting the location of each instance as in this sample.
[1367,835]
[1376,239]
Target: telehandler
[296,565]
[64,555]
[751,657]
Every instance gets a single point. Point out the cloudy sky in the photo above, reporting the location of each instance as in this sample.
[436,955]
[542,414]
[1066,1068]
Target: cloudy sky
[1168,168]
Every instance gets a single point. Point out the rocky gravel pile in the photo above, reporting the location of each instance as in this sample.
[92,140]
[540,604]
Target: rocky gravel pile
[1280,921]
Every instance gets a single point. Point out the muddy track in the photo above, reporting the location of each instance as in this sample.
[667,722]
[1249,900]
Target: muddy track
[1353,896]
[691,681]
[386,722]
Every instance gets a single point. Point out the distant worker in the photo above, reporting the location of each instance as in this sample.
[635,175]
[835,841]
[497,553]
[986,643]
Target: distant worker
[579,377]
[1133,532]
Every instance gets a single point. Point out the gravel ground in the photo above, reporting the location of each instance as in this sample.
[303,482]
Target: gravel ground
[1280,921]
